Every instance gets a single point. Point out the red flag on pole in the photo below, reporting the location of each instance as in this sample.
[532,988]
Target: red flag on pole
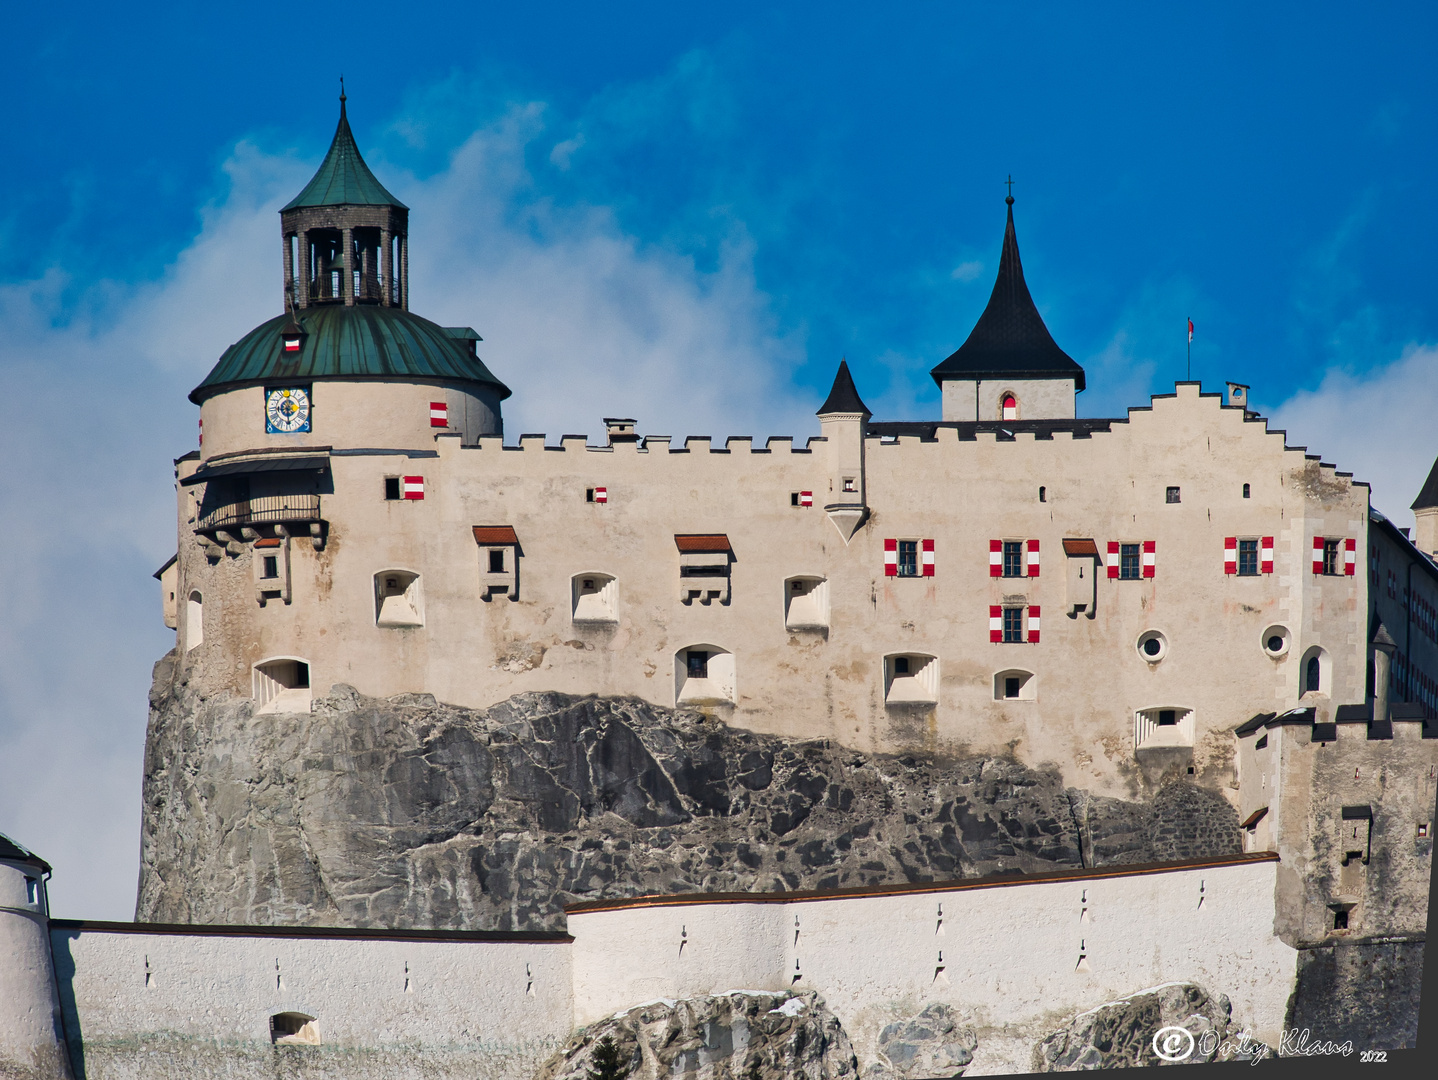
[1190,331]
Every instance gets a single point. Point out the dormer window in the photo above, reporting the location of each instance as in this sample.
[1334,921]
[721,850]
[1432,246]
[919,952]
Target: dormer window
[499,553]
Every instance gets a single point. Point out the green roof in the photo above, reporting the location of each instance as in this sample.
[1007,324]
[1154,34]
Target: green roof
[343,178]
[361,342]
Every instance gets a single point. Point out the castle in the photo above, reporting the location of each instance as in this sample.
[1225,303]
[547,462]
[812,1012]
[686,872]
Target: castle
[1173,596]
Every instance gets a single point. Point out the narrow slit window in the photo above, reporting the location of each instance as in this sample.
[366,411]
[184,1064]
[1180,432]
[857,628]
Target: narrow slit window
[1246,491]
[271,566]
[1043,494]
[391,488]
[1011,686]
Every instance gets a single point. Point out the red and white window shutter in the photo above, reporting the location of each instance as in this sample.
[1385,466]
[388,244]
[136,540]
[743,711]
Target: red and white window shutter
[1265,555]
[1011,407]
[438,414]
[926,557]
[1318,554]
[1230,554]
[1033,560]
[1113,558]
[411,487]
[1350,556]
[601,494]
[996,558]
[1033,624]
[891,558]
[996,623]
[806,498]
[1150,547]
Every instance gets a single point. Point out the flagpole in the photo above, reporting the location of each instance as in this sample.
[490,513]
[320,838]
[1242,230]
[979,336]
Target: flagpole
[1190,348]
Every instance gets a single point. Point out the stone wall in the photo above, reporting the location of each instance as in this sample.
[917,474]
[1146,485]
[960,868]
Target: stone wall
[408,813]
[1364,992]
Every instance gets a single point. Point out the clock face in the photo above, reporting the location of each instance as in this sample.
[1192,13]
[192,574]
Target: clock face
[287,410]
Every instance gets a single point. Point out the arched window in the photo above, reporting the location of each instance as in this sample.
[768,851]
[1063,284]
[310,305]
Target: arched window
[1009,408]
[1315,672]
[703,675]
[282,685]
[398,599]
[806,603]
[595,598]
[911,679]
[294,1029]
[194,621]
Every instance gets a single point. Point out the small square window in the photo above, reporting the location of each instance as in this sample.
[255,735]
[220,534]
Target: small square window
[1013,625]
[1011,687]
[1167,717]
[908,558]
[496,560]
[391,487]
[1013,558]
[849,484]
[1171,495]
[1331,563]
[697,664]
[1422,829]
[901,665]
[588,494]
[1340,920]
[793,498]
[271,566]
[1128,562]
[1248,558]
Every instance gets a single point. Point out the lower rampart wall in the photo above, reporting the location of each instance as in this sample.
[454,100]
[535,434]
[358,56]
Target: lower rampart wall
[1019,959]
[177,1004]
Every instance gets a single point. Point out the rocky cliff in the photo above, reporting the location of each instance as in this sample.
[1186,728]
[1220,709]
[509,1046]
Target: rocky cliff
[407,812]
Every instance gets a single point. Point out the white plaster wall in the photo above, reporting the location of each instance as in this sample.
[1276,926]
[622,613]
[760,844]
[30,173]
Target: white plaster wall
[1009,953]
[1089,677]
[506,1002]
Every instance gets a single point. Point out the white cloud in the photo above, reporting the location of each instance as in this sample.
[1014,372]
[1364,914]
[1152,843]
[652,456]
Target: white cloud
[967,271]
[1380,427]
[580,319]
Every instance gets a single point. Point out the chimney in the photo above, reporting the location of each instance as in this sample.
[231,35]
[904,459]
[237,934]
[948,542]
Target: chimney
[620,430]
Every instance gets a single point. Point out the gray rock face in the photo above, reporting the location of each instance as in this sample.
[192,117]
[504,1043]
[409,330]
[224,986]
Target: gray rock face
[1120,1034]
[409,813]
[931,1045]
[735,1036]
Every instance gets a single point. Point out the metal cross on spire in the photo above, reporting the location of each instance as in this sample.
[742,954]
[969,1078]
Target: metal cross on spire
[1010,197]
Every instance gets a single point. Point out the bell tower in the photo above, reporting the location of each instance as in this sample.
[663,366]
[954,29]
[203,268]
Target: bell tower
[346,237]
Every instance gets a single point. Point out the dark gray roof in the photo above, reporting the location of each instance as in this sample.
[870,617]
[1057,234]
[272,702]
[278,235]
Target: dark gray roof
[969,430]
[1010,338]
[1429,495]
[843,395]
[13,852]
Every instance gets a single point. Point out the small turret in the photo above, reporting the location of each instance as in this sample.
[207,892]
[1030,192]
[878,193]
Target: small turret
[1425,515]
[32,1041]
[841,420]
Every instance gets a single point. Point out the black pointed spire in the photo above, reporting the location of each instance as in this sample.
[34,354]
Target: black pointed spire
[1010,338]
[843,396]
[1428,495]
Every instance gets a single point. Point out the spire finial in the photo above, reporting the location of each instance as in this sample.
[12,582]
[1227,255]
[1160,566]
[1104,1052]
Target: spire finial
[342,95]
[1010,197]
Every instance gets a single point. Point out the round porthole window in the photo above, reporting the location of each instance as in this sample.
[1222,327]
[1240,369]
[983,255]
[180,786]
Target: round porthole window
[1152,646]
[1275,641]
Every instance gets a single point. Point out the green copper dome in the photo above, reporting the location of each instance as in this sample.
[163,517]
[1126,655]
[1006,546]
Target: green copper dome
[360,342]
[343,179]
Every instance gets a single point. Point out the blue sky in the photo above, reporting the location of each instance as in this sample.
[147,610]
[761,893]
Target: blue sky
[682,215]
